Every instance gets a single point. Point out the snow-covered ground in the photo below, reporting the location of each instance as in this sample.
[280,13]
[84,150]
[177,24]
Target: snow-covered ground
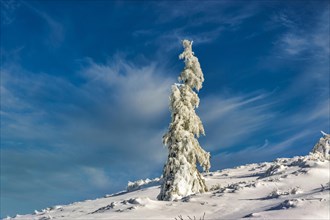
[287,188]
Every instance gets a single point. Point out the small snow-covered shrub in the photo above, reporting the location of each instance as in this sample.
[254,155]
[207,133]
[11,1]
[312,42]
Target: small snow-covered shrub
[57,207]
[253,184]
[48,217]
[289,203]
[281,160]
[124,205]
[274,170]
[235,187]
[104,208]
[139,184]
[215,187]
[135,201]
[325,186]
[276,193]
[36,212]
[190,218]
[296,190]
[240,167]
[141,201]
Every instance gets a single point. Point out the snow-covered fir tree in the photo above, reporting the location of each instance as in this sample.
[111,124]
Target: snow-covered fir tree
[322,147]
[181,176]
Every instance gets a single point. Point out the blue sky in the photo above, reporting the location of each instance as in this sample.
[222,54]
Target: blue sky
[85,86]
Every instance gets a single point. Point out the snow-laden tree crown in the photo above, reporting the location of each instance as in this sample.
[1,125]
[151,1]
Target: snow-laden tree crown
[322,148]
[180,175]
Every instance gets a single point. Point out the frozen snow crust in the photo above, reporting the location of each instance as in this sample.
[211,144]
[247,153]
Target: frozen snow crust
[287,188]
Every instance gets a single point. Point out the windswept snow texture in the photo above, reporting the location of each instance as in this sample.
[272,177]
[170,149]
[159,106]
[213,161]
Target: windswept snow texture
[287,188]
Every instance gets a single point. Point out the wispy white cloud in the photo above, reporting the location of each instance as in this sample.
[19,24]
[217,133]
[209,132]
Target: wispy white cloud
[282,18]
[56,30]
[305,42]
[219,16]
[290,129]
[227,118]
[304,47]
[107,123]
[211,12]
[264,152]
[143,90]
[8,8]
[294,44]
[97,177]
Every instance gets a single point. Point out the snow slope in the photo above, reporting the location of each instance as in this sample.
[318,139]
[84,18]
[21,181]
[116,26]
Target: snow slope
[287,188]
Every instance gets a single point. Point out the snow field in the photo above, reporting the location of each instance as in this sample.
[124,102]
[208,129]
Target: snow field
[287,188]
